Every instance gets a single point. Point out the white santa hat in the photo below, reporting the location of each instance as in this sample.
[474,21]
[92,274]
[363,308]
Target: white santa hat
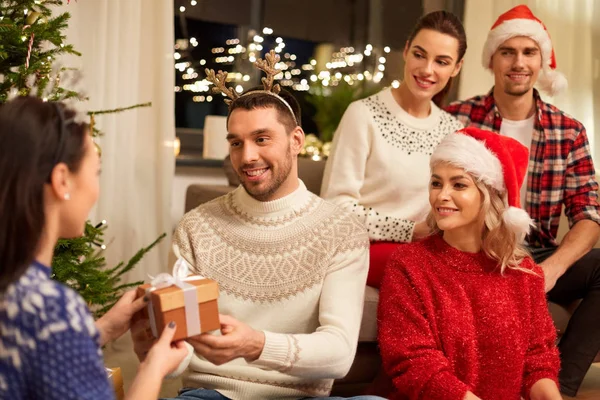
[498,161]
[520,21]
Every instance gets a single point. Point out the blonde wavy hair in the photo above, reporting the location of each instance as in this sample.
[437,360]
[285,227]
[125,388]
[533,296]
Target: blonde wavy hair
[499,242]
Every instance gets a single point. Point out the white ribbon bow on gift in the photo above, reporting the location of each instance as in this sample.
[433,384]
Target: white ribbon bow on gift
[181,272]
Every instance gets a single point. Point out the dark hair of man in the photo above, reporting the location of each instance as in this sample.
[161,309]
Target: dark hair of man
[251,101]
[35,136]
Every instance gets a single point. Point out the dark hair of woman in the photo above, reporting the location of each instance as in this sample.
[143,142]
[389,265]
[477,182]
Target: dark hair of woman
[447,23]
[35,136]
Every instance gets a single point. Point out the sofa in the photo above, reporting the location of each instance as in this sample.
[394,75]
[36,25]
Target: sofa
[364,374]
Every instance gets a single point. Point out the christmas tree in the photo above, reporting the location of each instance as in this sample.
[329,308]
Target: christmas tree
[79,263]
[31,41]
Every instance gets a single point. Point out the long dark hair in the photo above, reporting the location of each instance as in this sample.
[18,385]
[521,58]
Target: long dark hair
[447,23]
[34,137]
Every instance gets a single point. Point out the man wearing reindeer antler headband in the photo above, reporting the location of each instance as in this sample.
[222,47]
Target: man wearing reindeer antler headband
[291,267]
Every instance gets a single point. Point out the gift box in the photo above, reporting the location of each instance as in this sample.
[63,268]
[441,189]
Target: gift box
[189,300]
[116,378]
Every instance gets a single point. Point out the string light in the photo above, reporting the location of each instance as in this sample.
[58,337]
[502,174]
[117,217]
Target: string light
[296,76]
[176,146]
[98,226]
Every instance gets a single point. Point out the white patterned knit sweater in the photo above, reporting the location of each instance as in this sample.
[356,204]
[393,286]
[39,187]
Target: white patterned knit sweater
[294,268]
[379,164]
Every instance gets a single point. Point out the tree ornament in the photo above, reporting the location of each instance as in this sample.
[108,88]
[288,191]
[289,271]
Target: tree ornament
[32,17]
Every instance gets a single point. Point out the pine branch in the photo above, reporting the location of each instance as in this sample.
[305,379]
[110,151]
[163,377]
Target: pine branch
[97,132]
[118,110]
[138,256]
[77,264]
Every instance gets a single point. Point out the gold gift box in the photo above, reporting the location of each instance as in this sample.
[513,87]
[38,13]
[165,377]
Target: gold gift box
[168,305]
[116,378]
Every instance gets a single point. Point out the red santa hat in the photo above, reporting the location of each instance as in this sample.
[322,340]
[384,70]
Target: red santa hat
[520,21]
[498,161]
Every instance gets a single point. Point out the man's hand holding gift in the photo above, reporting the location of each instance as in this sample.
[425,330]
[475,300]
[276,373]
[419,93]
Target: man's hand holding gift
[237,340]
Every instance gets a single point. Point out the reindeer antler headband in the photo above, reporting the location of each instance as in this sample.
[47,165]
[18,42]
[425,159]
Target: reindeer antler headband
[268,66]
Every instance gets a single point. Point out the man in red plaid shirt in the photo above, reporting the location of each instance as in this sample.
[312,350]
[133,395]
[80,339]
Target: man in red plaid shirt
[519,52]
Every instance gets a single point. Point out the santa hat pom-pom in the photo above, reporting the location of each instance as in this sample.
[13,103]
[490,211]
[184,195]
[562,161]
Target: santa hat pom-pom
[552,82]
[517,221]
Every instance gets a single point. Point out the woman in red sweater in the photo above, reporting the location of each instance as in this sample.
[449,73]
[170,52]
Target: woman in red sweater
[462,314]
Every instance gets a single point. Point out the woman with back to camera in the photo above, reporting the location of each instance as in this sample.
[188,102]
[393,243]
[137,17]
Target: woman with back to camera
[462,314]
[49,342]
[379,163]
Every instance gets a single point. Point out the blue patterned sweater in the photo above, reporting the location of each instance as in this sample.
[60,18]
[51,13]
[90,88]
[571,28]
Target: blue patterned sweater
[49,345]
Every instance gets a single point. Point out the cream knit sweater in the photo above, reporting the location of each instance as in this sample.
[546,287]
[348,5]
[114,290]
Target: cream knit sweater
[294,268]
[379,164]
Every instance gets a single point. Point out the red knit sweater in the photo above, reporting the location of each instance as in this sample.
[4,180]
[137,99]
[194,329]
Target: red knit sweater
[449,323]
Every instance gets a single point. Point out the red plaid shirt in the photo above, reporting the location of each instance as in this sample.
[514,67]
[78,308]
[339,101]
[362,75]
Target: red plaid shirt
[561,170]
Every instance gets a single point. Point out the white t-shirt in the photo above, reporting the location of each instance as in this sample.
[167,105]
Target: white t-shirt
[522,131]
